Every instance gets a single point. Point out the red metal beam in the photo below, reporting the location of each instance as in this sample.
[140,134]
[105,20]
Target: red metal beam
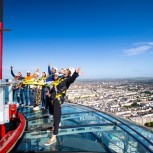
[1,36]
[1,47]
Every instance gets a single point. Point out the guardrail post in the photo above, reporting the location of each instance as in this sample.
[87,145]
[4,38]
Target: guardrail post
[2,112]
[10,91]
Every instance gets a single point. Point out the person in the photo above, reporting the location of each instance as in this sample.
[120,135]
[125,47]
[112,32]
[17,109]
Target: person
[51,72]
[40,92]
[57,94]
[49,80]
[62,72]
[18,90]
[51,96]
[31,88]
[43,91]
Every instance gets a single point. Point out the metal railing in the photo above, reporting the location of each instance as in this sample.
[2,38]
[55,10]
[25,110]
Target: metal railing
[4,108]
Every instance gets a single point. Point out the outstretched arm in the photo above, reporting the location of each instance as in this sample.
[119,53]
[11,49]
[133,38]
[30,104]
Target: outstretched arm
[37,70]
[49,71]
[12,73]
[74,76]
[35,74]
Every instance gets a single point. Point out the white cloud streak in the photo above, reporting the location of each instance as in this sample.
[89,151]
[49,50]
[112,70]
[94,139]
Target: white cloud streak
[140,48]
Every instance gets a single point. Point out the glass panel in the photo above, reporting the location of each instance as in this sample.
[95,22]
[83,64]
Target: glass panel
[142,130]
[75,142]
[81,130]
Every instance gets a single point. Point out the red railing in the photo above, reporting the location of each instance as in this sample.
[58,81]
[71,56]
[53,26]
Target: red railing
[11,138]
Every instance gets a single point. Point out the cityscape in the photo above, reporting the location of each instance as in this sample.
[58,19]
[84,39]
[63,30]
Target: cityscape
[129,98]
[97,95]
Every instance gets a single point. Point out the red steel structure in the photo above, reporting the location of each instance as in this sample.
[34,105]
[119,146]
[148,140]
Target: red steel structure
[2,127]
[1,36]
[1,47]
[8,139]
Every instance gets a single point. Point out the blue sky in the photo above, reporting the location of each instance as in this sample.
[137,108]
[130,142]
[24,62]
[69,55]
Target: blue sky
[107,38]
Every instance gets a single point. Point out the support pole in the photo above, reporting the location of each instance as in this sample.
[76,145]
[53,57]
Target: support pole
[1,46]
[10,91]
[1,36]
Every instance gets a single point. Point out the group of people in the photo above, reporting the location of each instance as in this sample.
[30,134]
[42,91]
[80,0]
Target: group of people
[50,90]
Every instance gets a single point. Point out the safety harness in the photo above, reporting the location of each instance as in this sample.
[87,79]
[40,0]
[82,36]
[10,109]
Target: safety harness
[60,93]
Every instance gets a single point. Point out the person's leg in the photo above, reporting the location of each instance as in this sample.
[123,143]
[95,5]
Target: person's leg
[13,93]
[26,95]
[47,102]
[37,99]
[57,118]
[47,97]
[43,97]
[57,115]
[38,96]
[51,110]
[18,95]
[50,106]
[21,95]
[32,97]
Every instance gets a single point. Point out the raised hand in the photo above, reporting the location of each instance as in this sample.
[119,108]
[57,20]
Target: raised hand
[77,70]
[38,69]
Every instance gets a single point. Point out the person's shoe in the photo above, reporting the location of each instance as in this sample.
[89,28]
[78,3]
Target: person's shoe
[17,104]
[36,108]
[30,106]
[50,142]
[26,105]
[50,129]
[51,117]
[43,108]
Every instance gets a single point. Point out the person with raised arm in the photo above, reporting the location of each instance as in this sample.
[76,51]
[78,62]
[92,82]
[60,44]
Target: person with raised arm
[18,89]
[31,88]
[57,94]
[51,72]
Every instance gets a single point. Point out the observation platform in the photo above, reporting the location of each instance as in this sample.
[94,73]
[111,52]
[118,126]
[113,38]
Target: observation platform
[83,129]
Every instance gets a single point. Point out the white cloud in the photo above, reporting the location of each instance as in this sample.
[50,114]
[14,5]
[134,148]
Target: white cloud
[144,43]
[140,48]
